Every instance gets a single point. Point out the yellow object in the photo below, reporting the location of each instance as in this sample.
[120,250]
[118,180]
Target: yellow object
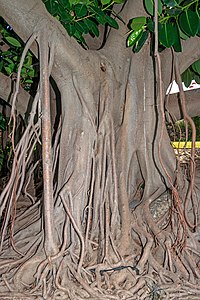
[182,145]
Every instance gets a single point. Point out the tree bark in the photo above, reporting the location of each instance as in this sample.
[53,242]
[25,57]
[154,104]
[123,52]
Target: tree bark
[6,91]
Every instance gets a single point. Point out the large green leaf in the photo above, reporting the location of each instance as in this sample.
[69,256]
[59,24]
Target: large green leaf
[13,41]
[80,10]
[64,15]
[101,19]
[134,36]
[196,66]
[96,10]
[177,44]
[140,43]
[112,22]
[189,22]
[52,6]
[138,22]
[187,77]
[149,5]
[70,29]
[8,71]
[81,26]
[166,34]
[150,24]
[183,36]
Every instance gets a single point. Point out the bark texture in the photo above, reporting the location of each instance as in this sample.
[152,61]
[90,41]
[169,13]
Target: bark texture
[93,234]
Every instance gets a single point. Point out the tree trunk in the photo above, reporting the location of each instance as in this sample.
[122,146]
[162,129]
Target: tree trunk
[112,160]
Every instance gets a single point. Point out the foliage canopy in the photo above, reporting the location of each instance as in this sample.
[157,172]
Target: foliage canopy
[177,20]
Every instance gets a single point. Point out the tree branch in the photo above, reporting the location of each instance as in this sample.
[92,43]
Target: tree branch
[190,53]
[26,17]
[192,105]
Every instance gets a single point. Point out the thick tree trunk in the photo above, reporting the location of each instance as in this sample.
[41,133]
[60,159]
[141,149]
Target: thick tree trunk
[112,160]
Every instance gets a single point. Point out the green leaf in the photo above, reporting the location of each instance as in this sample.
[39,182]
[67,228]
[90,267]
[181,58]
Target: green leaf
[31,73]
[13,41]
[28,61]
[112,22]
[80,10]
[64,3]
[138,22]
[28,81]
[150,25]
[8,70]
[70,29]
[198,13]
[80,26]
[11,66]
[8,60]
[96,10]
[92,27]
[196,66]
[79,37]
[52,7]
[189,22]
[177,44]
[140,43]
[64,15]
[166,34]
[187,77]
[149,5]
[104,2]
[197,78]
[183,36]
[134,36]
[101,19]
